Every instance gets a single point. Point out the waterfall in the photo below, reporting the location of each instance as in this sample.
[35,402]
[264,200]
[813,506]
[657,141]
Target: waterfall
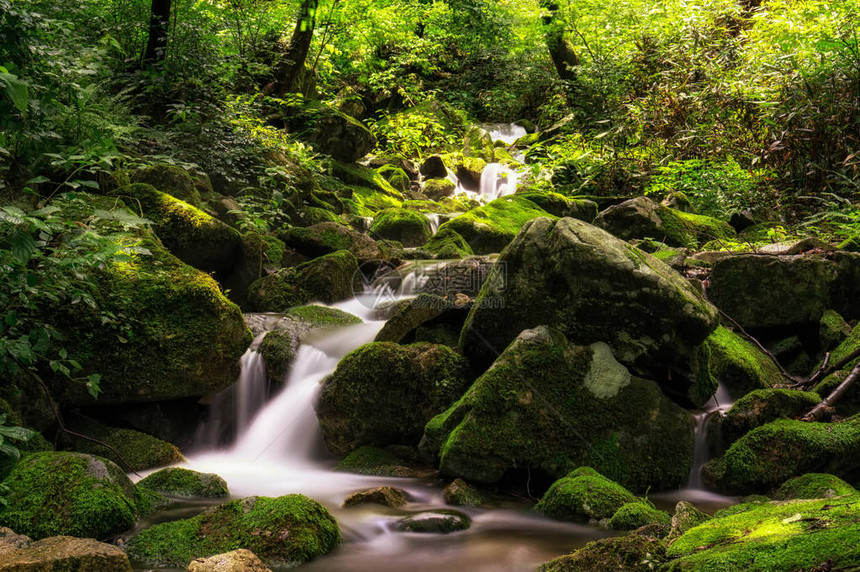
[251,388]
[435,220]
[719,404]
[498,181]
[507,132]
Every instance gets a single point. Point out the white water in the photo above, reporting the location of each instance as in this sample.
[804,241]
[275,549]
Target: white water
[718,405]
[497,180]
[435,220]
[507,132]
[251,387]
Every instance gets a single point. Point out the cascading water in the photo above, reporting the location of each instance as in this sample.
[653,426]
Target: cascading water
[251,387]
[507,132]
[498,181]
[435,220]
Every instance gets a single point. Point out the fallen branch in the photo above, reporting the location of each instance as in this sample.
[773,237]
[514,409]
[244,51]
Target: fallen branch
[826,405]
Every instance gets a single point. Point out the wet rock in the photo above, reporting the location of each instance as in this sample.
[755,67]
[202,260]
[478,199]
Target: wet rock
[235,561]
[584,495]
[405,226]
[762,406]
[438,189]
[434,522]
[448,244]
[65,554]
[328,237]
[686,516]
[179,482]
[386,496]
[738,364]
[433,167]
[461,493]
[382,463]
[637,514]
[633,553]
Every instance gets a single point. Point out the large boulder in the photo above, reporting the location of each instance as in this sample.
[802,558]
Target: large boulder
[65,554]
[330,278]
[814,486]
[762,406]
[327,237]
[170,179]
[383,394]
[643,218]
[339,135]
[794,535]
[738,364]
[283,531]
[491,227]
[769,455]
[179,482]
[552,406]
[767,291]
[594,288]
[69,493]
[406,226]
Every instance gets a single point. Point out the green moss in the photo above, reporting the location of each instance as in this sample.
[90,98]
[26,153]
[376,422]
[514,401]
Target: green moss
[375,462]
[850,244]
[769,455]
[139,450]
[832,330]
[635,514]
[310,215]
[329,279]
[814,486]
[447,244]
[179,482]
[846,348]
[72,494]
[277,349]
[739,364]
[286,530]
[763,406]
[584,497]
[633,553]
[561,206]
[396,177]
[849,403]
[491,227]
[405,226]
[438,189]
[322,316]
[794,535]
[170,179]
[425,206]
[273,252]
[461,493]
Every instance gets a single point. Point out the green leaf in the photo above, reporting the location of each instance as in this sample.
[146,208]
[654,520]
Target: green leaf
[93,386]
[17,433]
[16,89]
[23,246]
[9,451]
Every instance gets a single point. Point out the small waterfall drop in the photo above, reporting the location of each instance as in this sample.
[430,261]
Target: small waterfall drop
[718,405]
[498,181]
[251,388]
[507,132]
[435,220]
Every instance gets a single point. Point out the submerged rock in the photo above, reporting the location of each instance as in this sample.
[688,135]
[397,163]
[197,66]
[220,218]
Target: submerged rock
[179,482]
[69,493]
[435,522]
[552,406]
[594,288]
[65,554]
[383,394]
[240,560]
[287,530]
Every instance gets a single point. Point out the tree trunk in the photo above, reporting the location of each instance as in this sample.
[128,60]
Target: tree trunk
[293,62]
[159,24]
[561,51]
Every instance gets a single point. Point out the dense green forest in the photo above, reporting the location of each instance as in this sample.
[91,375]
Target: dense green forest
[654,207]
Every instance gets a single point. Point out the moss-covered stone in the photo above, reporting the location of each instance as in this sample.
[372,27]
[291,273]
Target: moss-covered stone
[633,553]
[460,493]
[561,206]
[478,143]
[240,560]
[793,535]
[383,394]
[139,450]
[552,406]
[410,315]
[686,516]
[396,177]
[278,349]
[328,279]
[491,227]
[68,493]
[814,486]
[386,496]
[405,226]
[849,403]
[469,171]
[771,454]
[337,134]
[595,288]
[635,514]
[744,287]
[739,364]
[832,330]
[582,496]
[434,522]
[35,444]
[377,462]
[328,237]
[170,179]
[287,530]
[763,406]
[372,187]
[643,218]
[448,244]
[438,189]
[321,316]
[179,482]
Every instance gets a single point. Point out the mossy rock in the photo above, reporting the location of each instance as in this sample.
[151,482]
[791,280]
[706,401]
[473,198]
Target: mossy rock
[175,334]
[337,134]
[793,535]
[434,522]
[832,330]
[321,316]
[396,177]
[328,237]
[376,462]
[739,364]
[448,244]
[849,403]
[763,406]
[170,179]
[556,273]
[310,216]
[561,206]
[35,444]
[409,315]
[281,531]
[771,454]
[405,226]
[385,496]
[383,394]
[814,486]
[686,516]
[330,278]
[491,227]
[478,143]
[184,483]
[552,406]
[582,496]
[278,349]
[469,171]
[360,177]
[633,553]
[769,291]
[438,189]
[635,514]
[193,236]
[139,450]
[61,553]
[71,494]
[461,493]
[643,218]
